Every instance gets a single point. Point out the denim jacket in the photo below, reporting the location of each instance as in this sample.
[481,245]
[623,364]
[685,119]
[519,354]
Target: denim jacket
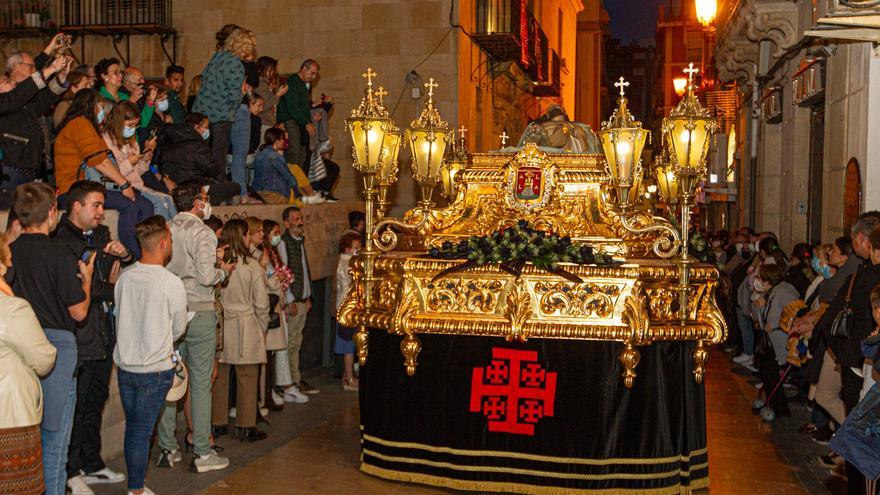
[271,173]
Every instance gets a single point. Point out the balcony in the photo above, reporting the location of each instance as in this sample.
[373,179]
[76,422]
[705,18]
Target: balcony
[507,31]
[552,85]
[117,16]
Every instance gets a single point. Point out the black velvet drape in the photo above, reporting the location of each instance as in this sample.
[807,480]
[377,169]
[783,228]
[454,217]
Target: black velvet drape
[601,436]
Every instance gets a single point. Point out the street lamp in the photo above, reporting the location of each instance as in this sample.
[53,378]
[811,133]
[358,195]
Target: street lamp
[706,11]
[680,85]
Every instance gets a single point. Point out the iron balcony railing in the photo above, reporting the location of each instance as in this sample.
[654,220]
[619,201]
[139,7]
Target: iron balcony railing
[507,31]
[147,16]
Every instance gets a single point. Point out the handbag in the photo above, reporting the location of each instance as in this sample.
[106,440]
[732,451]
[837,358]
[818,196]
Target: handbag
[181,380]
[843,322]
[274,317]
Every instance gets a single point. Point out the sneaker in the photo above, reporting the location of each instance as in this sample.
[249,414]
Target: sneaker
[208,462]
[743,358]
[233,412]
[78,486]
[278,398]
[264,411]
[314,199]
[146,491]
[830,460]
[292,394]
[305,388]
[751,367]
[105,475]
[168,458]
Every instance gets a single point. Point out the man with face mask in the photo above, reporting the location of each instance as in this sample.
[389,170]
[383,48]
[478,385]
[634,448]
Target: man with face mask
[197,261]
[58,286]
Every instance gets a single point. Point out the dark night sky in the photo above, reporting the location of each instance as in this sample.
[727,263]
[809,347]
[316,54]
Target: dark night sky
[633,20]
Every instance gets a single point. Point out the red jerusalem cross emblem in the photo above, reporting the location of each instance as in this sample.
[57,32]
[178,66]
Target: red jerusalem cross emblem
[514,392]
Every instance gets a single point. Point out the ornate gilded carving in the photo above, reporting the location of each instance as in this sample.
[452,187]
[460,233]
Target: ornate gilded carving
[579,300]
[701,357]
[635,302]
[518,310]
[463,295]
[629,358]
[410,346]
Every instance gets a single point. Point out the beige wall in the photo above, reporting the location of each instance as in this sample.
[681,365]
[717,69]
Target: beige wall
[592,31]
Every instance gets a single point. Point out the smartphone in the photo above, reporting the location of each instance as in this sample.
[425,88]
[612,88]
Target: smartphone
[153,133]
[87,255]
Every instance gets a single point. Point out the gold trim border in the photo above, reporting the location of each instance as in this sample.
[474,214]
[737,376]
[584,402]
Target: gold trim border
[537,472]
[522,488]
[535,457]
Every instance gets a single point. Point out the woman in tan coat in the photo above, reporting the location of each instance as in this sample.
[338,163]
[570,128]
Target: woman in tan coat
[245,301]
[25,355]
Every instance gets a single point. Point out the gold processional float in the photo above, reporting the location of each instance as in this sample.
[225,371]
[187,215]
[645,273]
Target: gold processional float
[652,291]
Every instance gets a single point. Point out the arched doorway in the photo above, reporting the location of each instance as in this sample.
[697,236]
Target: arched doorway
[852,193]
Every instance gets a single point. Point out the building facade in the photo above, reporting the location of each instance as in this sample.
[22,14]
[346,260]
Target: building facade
[807,122]
[405,42]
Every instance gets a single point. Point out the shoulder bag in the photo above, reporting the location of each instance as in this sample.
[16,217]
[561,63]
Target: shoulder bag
[843,322]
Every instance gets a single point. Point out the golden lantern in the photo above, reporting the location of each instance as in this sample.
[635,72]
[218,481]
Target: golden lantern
[387,175]
[427,138]
[456,160]
[688,129]
[368,125]
[679,84]
[623,140]
[706,11]
[667,184]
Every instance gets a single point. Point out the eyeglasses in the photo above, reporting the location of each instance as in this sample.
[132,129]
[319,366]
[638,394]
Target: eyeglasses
[33,66]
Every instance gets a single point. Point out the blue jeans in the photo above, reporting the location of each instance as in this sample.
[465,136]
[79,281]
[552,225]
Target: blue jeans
[130,214]
[143,395]
[59,405]
[747,330]
[240,141]
[162,203]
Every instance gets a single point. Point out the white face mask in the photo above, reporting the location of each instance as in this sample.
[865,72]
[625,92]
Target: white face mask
[739,247]
[759,286]
[206,212]
[276,240]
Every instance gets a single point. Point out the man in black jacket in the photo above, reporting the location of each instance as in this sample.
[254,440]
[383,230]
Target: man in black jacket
[847,351]
[80,231]
[24,153]
[184,155]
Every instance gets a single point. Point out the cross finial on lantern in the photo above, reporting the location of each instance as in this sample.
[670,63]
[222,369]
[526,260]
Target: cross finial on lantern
[691,71]
[431,85]
[462,131]
[369,75]
[381,94]
[622,84]
[504,137]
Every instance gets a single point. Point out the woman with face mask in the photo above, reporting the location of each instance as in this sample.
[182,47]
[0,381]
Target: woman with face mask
[80,151]
[119,135]
[279,278]
[776,294]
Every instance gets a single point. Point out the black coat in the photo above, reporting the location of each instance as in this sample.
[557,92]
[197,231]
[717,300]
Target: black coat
[848,350]
[95,336]
[24,121]
[184,155]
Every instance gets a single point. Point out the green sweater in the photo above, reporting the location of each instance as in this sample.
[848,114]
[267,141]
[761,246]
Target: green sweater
[146,113]
[296,103]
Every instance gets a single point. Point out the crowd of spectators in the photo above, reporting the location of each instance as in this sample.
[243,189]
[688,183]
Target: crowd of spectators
[187,309]
[807,321]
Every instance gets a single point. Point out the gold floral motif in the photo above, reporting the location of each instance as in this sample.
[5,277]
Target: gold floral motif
[463,295]
[518,311]
[577,300]
[660,302]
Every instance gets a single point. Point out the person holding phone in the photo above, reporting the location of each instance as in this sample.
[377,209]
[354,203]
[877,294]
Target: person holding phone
[80,232]
[81,152]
